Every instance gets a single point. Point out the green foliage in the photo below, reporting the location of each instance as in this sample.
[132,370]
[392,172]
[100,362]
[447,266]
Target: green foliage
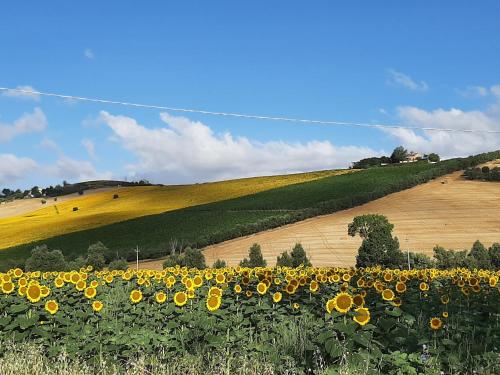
[421,261]
[484,174]
[76,264]
[399,154]
[297,258]
[173,260]
[433,157]
[378,246]
[255,258]
[43,259]
[95,256]
[478,257]
[194,258]
[449,258]
[219,264]
[118,264]
[494,252]
[204,225]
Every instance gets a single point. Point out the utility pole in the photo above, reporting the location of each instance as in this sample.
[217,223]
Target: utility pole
[137,257]
[408,252]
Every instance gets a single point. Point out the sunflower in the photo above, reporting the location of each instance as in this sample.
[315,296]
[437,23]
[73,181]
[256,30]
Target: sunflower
[18,273]
[80,285]
[277,297]
[135,296]
[213,303]
[314,286]
[358,300]
[180,298]
[388,295]
[290,289]
[214,291]
[423,286]
[261,288]
[97,306]
[220,278]
[59,282]
[94,283]
[197,281]
[476,288]
[445,299]
[237,288]
[362,316]
[90,292]
[51,306]
[160,297]
[74,277]
[397,302]
[435,323]
[22,282]
[22,291]
[191,294]
[445,314]
[34,293]
[387,276]
[248,293]
[8,287]
[493,280]
[336,278]
[346,277]
[400,287]
[342,302]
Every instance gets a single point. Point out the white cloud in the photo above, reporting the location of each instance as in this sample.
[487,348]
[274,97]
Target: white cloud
[404,80]
[473,91]
[448,144]
[13,168]
[88,53]
[27,123]
[23,95]
[75,170]
[189,151]
[51,145]
[89,147]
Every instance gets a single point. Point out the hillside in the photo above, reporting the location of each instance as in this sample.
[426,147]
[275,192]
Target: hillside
[26,220]
[450,211]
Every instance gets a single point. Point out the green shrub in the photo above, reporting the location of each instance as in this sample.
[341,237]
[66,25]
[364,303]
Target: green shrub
[43,259]
[194,258]
[255,258]
[219,264]
[118,264]
[297,258]
[95,256]
[76,264]
[173,260]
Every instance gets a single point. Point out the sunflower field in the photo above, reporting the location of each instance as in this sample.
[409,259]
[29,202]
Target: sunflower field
[381,320]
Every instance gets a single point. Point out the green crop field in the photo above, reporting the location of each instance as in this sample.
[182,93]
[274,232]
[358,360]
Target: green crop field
[215,222]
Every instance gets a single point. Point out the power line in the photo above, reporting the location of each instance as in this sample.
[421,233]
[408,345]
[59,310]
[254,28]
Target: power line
[246,116]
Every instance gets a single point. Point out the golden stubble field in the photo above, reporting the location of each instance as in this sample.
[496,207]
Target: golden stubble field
[21,221]
[449,211]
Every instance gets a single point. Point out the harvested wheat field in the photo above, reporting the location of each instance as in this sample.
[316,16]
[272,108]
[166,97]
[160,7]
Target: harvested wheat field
[450,211]
[21,225]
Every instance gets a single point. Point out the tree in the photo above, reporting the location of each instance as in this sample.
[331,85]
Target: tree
[35,192]
[45,260]
[219,264]
[194,258]
[399,154]
[378,246]
[297,257]
[118,264]
[255,258]
[433,157]
[173,260]
[485,169]
[446,259]
[421,261]
[6,192]
[478,257]
[76,264]
[95,256]
[494,252]
[284,260]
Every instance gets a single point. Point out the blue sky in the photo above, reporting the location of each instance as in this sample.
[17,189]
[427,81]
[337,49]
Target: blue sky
[417,63]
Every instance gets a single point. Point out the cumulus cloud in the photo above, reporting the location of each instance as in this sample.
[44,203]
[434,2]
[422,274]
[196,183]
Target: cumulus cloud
[188,151]
[23,95]
[449,144]
[13,168]
[75,170]
[400,79]
[89,147]
[27,123]
[88,53]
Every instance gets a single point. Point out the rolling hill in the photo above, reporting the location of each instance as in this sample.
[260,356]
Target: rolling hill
[206,224]
[20,223]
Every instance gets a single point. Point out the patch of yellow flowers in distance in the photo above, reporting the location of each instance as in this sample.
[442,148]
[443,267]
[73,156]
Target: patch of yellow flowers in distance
[350,292]
[96,209]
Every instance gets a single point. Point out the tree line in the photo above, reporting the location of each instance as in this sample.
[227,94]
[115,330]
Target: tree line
[399,155]
[485,173]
